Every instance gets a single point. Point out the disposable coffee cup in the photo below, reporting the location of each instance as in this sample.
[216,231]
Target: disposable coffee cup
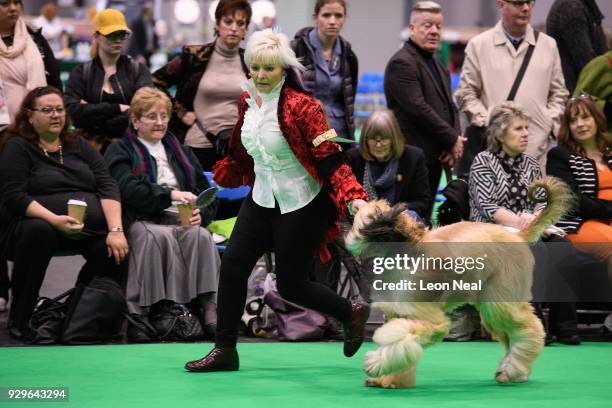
[185,212]
[76,210]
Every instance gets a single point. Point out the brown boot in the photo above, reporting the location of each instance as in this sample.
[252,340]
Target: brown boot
[354,328]
[219,359]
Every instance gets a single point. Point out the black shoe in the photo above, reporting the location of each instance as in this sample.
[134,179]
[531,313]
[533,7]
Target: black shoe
[571,340]
[354,328]
[219,359]
[549,339]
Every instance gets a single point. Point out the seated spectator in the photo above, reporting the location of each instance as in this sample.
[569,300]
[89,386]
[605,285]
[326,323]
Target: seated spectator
[99,92]
[583,160]
[154,171]
[43,166]
[389,169]
[498,182]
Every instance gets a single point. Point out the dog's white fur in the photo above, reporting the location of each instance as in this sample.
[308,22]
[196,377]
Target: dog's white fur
[508,274]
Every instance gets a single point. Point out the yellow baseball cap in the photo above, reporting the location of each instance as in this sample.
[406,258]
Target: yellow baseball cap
[108,21]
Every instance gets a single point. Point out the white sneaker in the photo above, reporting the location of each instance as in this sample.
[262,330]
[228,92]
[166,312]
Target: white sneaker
[2,304]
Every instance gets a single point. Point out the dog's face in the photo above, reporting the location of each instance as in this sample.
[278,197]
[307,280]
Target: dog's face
[377,221]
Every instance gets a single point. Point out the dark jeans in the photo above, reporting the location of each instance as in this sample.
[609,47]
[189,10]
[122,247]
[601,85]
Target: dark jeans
[296,238]
[34,243]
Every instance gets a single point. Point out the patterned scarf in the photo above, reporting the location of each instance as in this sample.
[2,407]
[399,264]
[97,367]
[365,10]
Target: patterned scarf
[142,163]
[517,193]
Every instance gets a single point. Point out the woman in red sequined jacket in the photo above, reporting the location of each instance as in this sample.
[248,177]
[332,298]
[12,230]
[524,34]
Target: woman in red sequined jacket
[281,145]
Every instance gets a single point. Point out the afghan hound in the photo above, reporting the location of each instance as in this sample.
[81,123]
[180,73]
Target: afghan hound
[415,322]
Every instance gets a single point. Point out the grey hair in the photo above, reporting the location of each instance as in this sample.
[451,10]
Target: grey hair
[269,47]
[499,121]
[430,6]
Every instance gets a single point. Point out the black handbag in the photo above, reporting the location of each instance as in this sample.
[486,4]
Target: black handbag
[95,312]
[47,319]
[176,323]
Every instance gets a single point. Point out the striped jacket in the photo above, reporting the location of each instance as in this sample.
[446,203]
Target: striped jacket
[580,174]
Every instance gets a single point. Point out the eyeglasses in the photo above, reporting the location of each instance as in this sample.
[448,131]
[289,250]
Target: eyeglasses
[581,97]
[376,140]
[117,36]
[48,111]
[6,3]
[521,3]
[152,117]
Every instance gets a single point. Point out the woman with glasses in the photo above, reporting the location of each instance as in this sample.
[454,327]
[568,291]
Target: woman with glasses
[43,166]
[170,264]
[208,80]
[99,92]
[388,168]
[331,65]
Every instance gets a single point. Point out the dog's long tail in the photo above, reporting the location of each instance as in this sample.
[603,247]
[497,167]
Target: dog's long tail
[560,200]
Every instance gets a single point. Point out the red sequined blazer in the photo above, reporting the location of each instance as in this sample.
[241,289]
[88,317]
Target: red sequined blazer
[301,120]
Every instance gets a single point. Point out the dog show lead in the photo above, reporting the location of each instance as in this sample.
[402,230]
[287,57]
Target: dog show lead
[282,146]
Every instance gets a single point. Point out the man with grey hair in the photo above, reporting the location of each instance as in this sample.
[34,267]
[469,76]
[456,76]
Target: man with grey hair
[417,88]
[492,62]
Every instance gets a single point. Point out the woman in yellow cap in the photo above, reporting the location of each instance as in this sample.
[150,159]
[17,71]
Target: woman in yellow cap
[98,92]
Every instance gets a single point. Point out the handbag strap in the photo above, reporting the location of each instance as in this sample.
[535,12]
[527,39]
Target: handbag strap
[523,69]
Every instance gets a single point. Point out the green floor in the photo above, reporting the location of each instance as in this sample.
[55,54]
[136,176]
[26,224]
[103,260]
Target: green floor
[313,375]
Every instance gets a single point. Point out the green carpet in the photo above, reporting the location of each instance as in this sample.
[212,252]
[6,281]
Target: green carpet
[313,375]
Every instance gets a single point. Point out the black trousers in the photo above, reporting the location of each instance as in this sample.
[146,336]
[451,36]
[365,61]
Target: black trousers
[296,238]
[4,279]
[556,263]
[34,243]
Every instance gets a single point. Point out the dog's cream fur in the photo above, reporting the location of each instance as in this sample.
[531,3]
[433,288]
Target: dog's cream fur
[413,325]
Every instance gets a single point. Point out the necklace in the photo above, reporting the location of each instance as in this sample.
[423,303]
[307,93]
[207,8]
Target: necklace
[59,149]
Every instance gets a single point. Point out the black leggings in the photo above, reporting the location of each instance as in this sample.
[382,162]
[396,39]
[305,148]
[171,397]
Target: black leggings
[296,238]
[35,242]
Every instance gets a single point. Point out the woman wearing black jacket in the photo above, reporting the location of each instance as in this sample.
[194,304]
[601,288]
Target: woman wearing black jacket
[389,169]
[99,92]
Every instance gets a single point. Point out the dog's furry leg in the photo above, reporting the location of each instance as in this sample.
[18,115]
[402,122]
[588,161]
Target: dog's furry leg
[400,346]
[516,322]
[405,378]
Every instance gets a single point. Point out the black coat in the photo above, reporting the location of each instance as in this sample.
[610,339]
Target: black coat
[412,185]
[350,71]
[52,72]
[420,104]
[576,26]
[99,119]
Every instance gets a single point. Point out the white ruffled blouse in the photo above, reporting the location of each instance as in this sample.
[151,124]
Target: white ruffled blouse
[279,176]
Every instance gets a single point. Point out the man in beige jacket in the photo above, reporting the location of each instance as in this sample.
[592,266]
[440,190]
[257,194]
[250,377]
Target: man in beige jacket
[492,61]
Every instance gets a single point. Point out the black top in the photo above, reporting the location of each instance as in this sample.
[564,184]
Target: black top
[29,175]
[580,173]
